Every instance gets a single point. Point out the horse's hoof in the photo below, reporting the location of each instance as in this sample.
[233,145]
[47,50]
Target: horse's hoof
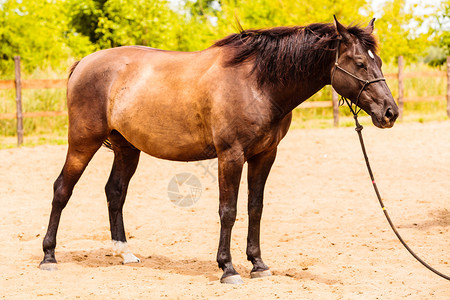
[260,274]
[48,267]
[129,258]
[233,279]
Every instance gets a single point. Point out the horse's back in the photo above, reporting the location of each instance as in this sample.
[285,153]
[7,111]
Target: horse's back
[156,99]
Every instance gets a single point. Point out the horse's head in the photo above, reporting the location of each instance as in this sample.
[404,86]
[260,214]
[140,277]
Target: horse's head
[357,74]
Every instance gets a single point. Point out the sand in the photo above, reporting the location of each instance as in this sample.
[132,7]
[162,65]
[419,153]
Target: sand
[323,233]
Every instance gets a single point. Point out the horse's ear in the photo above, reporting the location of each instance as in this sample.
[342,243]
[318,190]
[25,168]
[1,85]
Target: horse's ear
[370,27]
[341,30]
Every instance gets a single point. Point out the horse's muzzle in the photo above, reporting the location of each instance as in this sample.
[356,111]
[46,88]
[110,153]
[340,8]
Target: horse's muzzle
[387,119]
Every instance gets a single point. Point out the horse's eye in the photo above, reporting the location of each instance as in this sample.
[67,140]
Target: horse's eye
[361,65]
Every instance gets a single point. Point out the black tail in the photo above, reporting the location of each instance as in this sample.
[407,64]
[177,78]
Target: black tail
[72,68]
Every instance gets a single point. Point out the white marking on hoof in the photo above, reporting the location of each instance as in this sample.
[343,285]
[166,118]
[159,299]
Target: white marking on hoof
[130,258]
[233,279]
[121,249]
[260,274]
[48,267]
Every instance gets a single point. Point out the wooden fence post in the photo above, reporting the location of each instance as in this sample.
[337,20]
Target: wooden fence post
[448,86]
[400,87]
[19,113]
[334,98]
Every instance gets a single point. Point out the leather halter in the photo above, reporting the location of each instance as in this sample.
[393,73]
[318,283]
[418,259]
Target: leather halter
[364,81]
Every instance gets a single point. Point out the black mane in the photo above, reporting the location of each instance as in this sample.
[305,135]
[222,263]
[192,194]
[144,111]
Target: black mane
[283,55]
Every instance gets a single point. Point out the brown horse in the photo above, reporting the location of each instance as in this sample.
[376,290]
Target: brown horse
[232,101]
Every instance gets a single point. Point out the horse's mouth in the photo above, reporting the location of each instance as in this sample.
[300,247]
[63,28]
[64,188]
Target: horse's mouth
[383,122]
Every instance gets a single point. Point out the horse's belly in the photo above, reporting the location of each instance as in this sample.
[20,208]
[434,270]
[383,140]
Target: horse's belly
[172,146]
[170,136]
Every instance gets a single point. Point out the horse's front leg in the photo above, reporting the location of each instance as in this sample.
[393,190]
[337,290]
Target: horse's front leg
[230,170]
[258,170]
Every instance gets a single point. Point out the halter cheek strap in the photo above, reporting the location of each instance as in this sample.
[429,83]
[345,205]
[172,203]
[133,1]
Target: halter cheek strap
[364,81]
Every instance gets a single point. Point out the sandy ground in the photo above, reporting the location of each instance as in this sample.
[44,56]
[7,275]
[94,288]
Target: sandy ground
[323,233]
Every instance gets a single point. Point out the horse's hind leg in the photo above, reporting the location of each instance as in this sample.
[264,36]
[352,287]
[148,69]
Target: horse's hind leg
[258,170]
[126,159]
[78,156]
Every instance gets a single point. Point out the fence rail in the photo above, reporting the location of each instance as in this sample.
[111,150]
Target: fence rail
[34,114]
[417,74]
[35,84]
[18,84]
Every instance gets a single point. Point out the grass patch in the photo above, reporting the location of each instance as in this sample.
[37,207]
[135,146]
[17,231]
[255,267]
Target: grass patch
[32,141]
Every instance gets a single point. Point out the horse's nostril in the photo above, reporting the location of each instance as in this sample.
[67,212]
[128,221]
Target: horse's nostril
[389,114]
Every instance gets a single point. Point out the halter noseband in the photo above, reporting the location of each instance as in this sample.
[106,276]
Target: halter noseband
[365,82]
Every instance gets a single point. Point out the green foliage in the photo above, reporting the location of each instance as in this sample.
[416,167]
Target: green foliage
[438,55]
[397,32]
[37,31]
[200,26]
[268,13]
[116,23]
[48,33]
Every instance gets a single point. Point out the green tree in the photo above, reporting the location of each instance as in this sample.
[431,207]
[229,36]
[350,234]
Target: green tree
[199,26]
[397,30]
[112,23]
[48,32]
[38,32]
[268,13]
[438,54]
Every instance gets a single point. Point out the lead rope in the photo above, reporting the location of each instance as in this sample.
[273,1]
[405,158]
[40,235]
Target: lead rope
[358,129]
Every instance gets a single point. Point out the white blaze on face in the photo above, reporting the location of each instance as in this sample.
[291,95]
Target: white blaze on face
[371,54]
[121,249]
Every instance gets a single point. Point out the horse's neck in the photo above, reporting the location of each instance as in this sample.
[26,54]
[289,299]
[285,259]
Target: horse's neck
[288,98]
